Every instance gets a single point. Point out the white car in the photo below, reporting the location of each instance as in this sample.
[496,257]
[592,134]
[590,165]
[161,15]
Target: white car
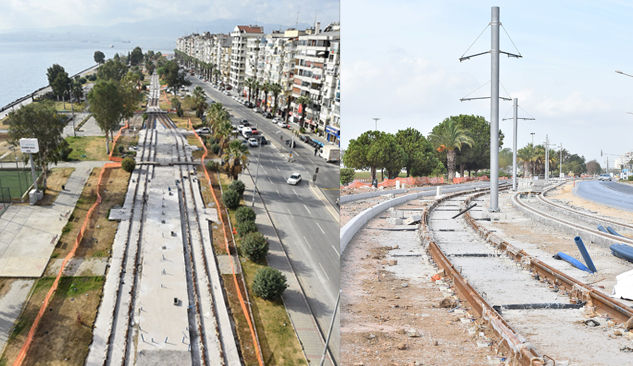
[203,131]
[605,177]
[275,120]
[253,142]
[294,179]
[256,110]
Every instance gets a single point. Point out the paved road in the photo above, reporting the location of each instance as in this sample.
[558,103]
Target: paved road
[618,195]
[328,177]
[306,228]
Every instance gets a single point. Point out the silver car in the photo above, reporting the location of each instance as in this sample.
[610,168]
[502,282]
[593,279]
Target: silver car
[294,179]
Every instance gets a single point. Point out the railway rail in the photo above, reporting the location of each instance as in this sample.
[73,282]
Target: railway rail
[472,258]
[126,330]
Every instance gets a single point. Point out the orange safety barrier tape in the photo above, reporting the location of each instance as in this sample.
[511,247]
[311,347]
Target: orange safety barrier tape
[51,292]
[127,125]
[226,241]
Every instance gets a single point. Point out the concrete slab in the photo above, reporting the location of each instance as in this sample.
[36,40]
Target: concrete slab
[11,304]
[79,267]
[224,263]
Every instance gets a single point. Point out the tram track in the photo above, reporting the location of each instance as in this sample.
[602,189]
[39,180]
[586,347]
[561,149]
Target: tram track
[164,157]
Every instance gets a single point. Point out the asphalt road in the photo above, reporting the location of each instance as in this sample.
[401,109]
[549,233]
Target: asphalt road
[328,178]
[618,195]
[306,228]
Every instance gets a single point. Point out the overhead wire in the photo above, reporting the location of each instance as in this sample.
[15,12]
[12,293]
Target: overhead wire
[504,88]
[488,82]
[526,112]
[515,47]
[482,32]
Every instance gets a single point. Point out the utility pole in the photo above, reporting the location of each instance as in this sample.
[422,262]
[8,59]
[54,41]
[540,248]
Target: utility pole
[515,118]
[494,106]
[560,162]
[546,159]
[532,133]
[376,120]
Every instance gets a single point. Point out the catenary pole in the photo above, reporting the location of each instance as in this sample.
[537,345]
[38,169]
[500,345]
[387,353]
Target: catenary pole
[494,112]
[515,119]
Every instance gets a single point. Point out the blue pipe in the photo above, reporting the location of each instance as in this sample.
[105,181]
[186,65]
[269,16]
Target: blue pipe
[601,228]
[585,254]
[571,260]
[613,231]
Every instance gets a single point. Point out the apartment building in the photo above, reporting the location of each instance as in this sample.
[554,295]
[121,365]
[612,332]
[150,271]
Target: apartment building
[245,41]
[316,75]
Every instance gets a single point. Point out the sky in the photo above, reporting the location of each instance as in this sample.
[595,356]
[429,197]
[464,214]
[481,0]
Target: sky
[21,14]
[400,63]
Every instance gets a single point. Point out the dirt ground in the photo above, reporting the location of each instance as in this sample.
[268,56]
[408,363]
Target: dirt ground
[351,209]
[387,319]
[56,179]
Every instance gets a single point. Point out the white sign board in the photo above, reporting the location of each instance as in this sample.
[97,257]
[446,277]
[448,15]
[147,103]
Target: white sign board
[29,146]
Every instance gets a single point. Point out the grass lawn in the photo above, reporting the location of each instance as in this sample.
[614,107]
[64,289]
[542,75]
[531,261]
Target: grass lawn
[126,140]
[17,181]
[78,107]
[183,122]
[87,148]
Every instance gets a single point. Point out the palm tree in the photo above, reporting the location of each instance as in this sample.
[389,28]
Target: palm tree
[200,101]
[235,156]
[216,72]
[222,132]
[288,95]
[526,155]
[250,84]
[216,114]
[266,88]
[257,86]
[449,137]
[276,90]
[303,102]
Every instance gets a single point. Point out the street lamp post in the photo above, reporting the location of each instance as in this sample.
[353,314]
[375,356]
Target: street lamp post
[259,145]
[376,121]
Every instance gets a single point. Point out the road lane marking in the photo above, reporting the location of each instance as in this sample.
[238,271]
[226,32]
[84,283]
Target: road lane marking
[278,192]
[295,192]
[277,168]
[324,272]
[304,205]
[337,253]
[271,182]
[307,242]
[288,210]
[320,228]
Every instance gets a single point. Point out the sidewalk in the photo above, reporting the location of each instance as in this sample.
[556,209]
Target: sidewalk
[28,234]
[294,299]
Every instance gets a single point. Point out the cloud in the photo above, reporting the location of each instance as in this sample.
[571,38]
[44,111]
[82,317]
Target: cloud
[573,105]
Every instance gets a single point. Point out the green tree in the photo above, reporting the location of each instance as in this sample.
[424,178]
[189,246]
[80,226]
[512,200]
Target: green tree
[255,246]
[275,89]
[448,137]
[58,80]
[150,67]
[99,57]
[107,106]
[174,77]
[387,154]
[113,69]
[200,101]
[246,228]
[593,167]
[356,155]
[128,164]
[303,101]
[238,186]
[249,83]
[526,155]
[236,155]
[244,213]
[40,121]
[136,57]
[347,176]
[231,199]
[505,159]
[269,283]
[420,159]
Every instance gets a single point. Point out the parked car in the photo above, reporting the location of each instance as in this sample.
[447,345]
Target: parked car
[253,142]
[284,125]
[268,115]
[203,131]
[275,120]
[245,122]
[256,110]
[604,177]
[303,138]
[294,179]
[262,140]
[254,131]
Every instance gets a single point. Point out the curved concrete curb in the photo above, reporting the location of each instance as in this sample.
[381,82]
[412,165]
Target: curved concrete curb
[351,228]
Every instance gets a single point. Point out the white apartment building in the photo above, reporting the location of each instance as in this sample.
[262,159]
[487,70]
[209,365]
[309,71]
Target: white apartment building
[239,52]
[316,75]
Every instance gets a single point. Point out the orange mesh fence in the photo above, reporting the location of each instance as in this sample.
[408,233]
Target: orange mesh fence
[410,181]
[116,158]
[69,256]
[226,242]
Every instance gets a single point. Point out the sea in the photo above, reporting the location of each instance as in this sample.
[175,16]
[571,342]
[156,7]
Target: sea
[23,65]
